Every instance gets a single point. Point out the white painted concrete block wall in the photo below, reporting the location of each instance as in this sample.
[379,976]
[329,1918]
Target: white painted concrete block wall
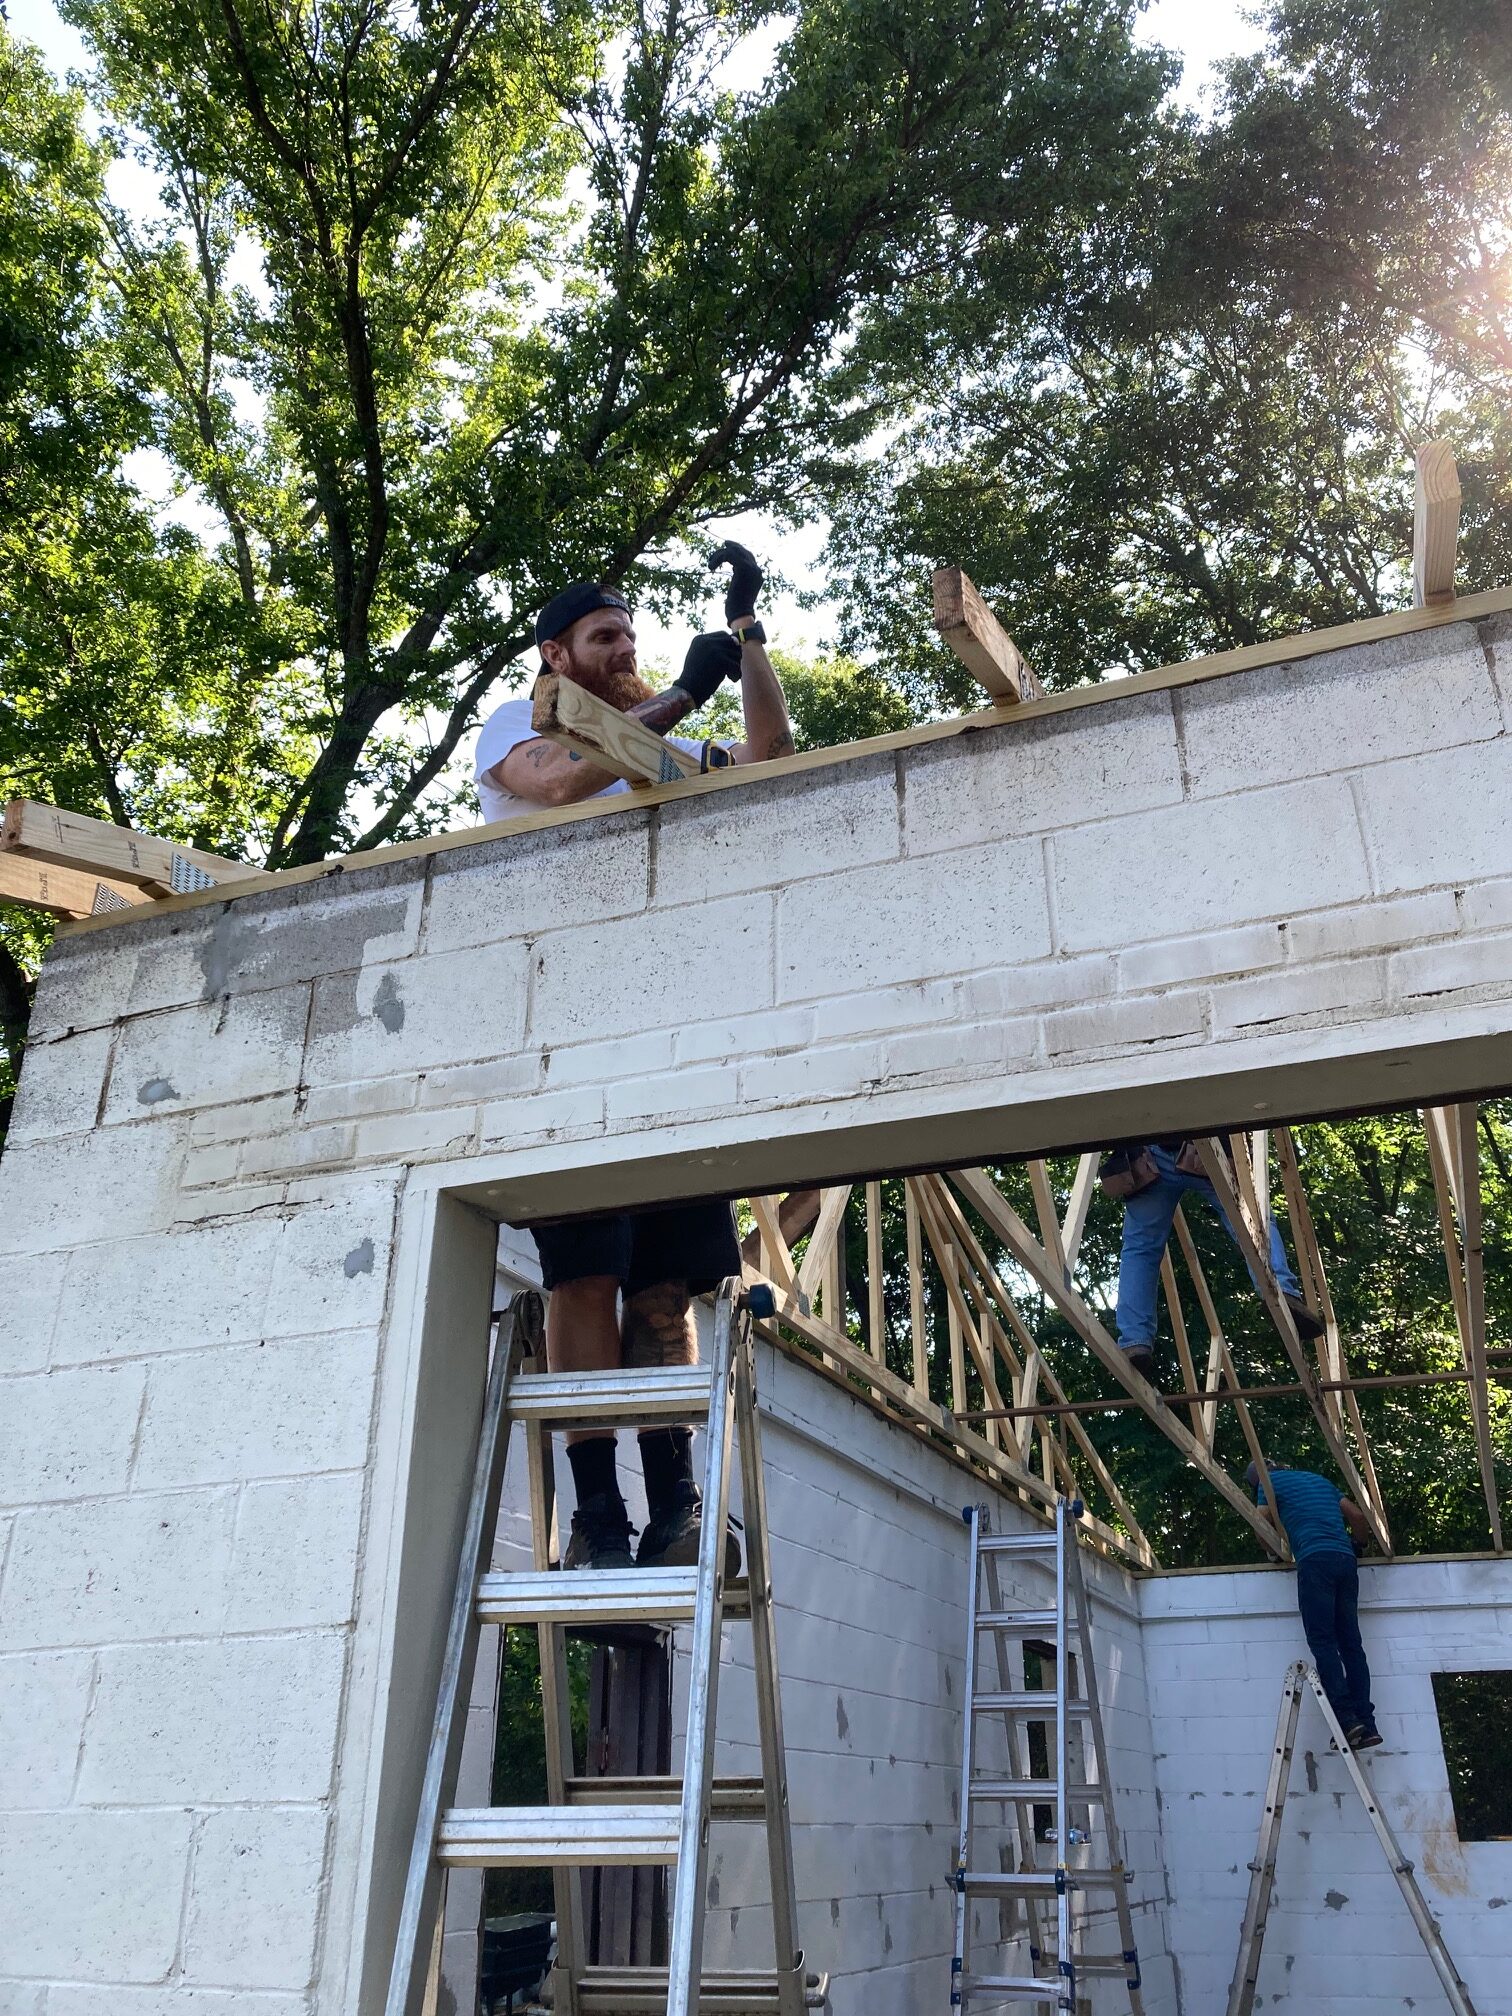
[1216,1647]
[232,1113]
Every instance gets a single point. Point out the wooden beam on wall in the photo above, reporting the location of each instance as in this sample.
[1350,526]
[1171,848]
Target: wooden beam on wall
[578,721]
[1435,525]
[981,643]
[1454,1158]
[62,892]
[93,847]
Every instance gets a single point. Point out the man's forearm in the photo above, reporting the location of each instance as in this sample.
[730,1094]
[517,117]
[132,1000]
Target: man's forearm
[663,710]
[769,733]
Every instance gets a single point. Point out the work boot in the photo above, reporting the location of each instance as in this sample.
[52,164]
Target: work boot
[1364,1736]
[1308,1325]
[1142,1360]
[600,1534]
[672,1535]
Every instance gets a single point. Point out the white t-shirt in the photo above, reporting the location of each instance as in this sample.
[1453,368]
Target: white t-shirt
[505,728]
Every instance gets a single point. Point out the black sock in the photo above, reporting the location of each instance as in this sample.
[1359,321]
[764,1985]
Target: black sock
[666,1464]
[593,1467]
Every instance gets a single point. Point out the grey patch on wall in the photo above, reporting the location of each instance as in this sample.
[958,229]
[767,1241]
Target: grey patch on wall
[886,1938]
[359,1260]
[1495,1903]
[734,1921]
[155,1091]
[296,941]
[1310,1766]
[388,1005]
[842,1720]
[1335,1899]
[834,1910]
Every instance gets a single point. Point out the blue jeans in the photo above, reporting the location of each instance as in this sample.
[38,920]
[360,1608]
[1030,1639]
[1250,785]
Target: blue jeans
[1146,1228]
[1328,1595]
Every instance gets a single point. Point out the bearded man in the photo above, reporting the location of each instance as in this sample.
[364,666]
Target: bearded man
[620,1286]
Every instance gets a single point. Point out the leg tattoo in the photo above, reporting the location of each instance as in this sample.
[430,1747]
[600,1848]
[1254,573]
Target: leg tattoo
[658,1326]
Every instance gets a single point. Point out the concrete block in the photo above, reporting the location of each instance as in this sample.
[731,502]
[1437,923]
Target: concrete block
[447,1008]
[330,1271]
[135,1864]
[748,1036]
[884,1010]
[294,1562]
[811,824]
[1373,927]
[215,1722]
[1029,775]
[264,1410]
[84,982]
[1487,906]
[1452,966]
[30,1290]
[61,1086]
[515,888]
[841,1071]
[1213,954]
[68,1434]
[143,1566]
[1150,1018]
[1347,986]
[255,1899]
[1209,866]
[217,1053]
[1459,801]
[409,1137]
[170,1998]
[710,1090]
[1052,983]
[474,1084]
[611,1063]
[300,1148]
[172,1291]
[247,1121]
[66,1192]
[961,1050]
[43,1700]
[278,938]
[214,1167]
[913,920]
[702,959]
[553,1115]
[356,1101]
[1430,690]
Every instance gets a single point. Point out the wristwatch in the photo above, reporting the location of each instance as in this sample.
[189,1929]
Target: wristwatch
[748,633]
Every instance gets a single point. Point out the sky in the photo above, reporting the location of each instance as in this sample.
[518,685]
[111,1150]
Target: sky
[1202,32]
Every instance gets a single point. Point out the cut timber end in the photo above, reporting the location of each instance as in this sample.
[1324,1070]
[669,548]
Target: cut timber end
[65,892]
[577,720]
[114,854]
[1435,524]
[980,641]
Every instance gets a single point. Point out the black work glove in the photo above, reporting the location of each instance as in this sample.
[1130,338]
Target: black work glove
[746,578]
[712,658]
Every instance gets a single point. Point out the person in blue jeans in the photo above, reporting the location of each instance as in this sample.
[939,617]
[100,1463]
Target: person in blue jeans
[1318,1524]
[1148,1217]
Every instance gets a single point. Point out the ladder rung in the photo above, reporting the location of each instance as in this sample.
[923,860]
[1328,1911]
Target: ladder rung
[1103,1963]
[1012,1987]
[623,1399]
[732,1798]
[1016,1620]
[1011,1882]
[1040,1790]
[721,1992]
[534,1837]
[1016,1543]
[1030,1702]
[587,1596]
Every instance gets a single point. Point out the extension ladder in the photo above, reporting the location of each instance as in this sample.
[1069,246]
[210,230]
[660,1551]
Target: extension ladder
[1030,1884]
[1241,2000]
[642,1820]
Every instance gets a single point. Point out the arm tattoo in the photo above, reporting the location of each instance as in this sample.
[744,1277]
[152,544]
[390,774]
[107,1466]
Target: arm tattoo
[658,1326]
[780,745]
[663,710]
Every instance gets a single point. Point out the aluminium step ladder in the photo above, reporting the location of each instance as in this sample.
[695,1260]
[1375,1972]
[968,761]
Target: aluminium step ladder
[596,1822]
[1040,1890]
[1241,2000]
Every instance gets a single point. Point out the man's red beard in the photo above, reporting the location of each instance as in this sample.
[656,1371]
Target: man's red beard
[620,689]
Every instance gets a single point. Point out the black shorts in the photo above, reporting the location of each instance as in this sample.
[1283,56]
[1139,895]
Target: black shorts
[695,1243]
